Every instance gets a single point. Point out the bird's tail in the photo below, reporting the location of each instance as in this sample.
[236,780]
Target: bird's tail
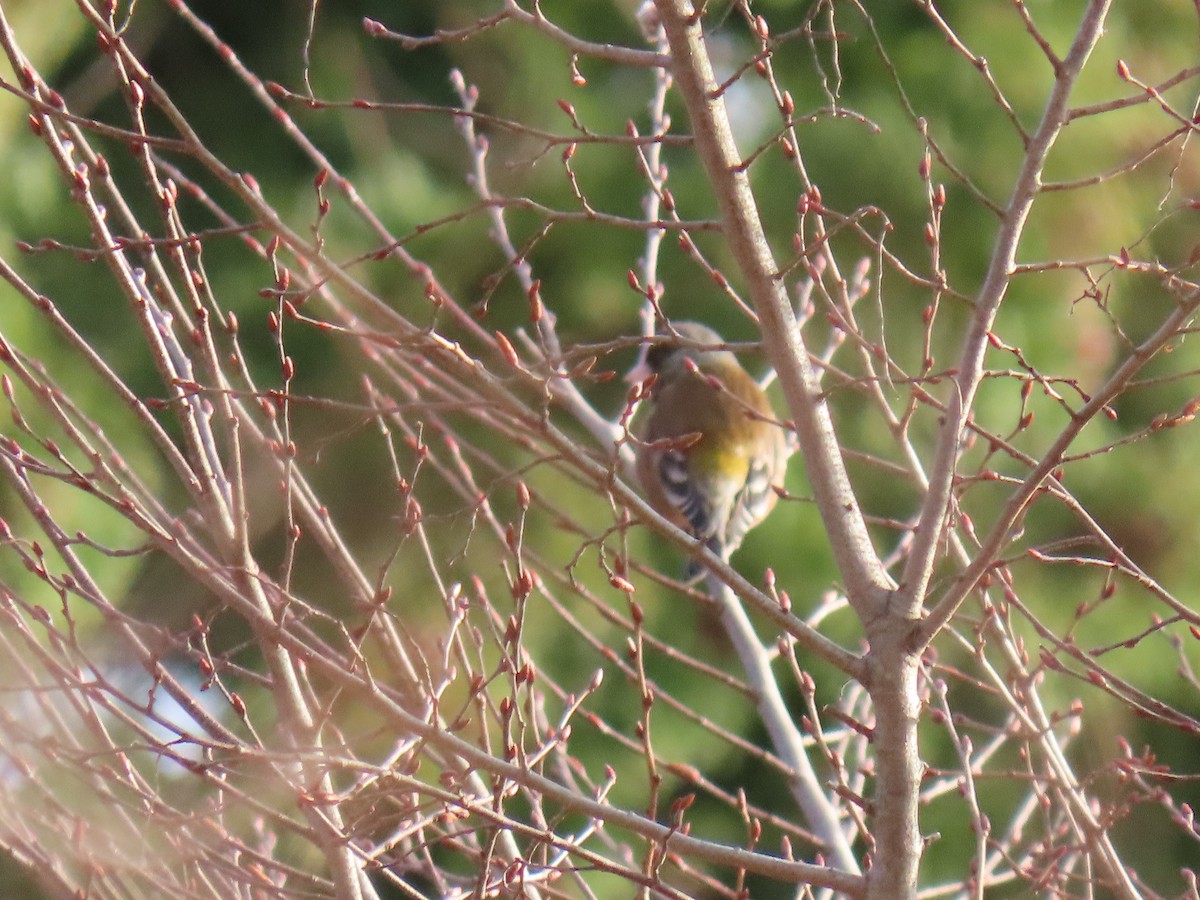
[695,568]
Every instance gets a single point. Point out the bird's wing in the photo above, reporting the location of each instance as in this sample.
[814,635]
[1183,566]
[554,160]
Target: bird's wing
[751,502]
[683,493]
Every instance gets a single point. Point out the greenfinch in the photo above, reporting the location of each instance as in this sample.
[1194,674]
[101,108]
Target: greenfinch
[710,454]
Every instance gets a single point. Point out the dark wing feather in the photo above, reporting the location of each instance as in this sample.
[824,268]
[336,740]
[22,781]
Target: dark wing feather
[680,490]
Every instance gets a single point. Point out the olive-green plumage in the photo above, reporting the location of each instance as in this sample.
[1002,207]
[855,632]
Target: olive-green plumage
[722,484]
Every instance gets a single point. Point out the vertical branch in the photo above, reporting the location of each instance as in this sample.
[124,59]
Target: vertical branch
[866,582]
[819,813]
[896,833]
[919,567]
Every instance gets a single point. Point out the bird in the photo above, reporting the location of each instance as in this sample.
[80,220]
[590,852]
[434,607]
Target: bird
[710,455]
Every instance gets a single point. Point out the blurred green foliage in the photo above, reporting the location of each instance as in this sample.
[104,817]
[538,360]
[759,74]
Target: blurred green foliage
[410,167]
